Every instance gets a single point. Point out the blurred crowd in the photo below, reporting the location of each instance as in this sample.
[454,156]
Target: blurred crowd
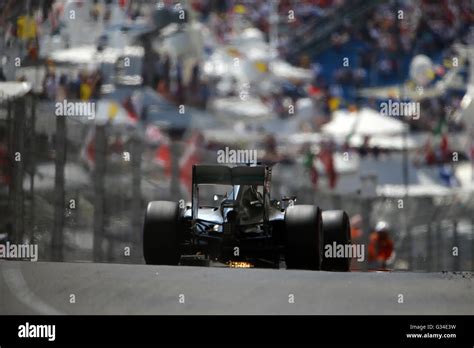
[396,29]
[83,86]
[379,48]
[260,13]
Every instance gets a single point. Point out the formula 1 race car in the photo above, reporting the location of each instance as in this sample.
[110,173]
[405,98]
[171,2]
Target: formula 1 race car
[243,226]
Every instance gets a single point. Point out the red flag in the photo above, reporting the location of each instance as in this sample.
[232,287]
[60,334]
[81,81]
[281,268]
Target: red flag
[163,157]
[444,147]
[190,157]
[128,105]
[88,151]
[328,162]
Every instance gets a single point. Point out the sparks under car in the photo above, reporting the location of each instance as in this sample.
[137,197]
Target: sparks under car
[243,226]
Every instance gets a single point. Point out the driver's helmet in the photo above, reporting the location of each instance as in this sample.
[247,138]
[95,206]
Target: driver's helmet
[249,195]
[248,208]
[382,228]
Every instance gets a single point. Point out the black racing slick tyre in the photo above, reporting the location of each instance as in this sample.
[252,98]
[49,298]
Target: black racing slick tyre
[161,233]
[336,231]
[303,227]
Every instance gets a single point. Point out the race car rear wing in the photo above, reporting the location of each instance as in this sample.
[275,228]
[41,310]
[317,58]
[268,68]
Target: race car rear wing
[224,175]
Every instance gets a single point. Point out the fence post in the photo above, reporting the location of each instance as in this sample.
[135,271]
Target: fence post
[18,169]
[57,239]
[472,245]
[456,258]
[32,162]
[368,195]
[409,238]
[439,247]
[366,210]
[136,209]
[175,190]
[99,191]
[429,248]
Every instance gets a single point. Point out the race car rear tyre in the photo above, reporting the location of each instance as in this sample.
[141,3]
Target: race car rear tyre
[336,229]
[303,227]
[161,233]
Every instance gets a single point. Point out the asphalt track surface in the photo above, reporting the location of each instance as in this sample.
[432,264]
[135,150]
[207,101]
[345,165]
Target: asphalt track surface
[46,288]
